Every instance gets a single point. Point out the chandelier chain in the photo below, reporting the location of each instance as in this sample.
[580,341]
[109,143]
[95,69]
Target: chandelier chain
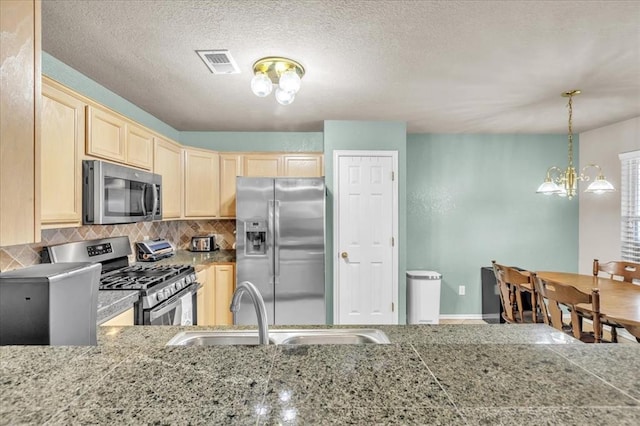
[570,130]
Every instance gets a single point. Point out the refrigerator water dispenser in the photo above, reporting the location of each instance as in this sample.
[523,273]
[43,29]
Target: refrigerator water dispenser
[255,237]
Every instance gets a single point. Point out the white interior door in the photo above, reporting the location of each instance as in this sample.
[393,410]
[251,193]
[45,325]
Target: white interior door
[365,227]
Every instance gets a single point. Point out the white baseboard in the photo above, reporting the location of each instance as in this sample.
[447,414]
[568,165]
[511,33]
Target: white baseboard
[463,317]
[626,335]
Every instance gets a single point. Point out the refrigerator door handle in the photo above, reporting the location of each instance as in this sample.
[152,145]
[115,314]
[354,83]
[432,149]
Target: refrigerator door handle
[276,246]
[271,238]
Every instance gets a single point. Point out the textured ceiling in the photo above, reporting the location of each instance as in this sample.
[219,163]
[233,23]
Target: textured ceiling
[440,66]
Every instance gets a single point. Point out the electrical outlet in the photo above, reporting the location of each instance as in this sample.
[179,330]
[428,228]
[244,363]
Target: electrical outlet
[461,290]
[145,237]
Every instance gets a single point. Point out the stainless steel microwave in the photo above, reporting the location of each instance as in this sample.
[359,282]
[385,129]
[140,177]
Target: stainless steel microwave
[119,194]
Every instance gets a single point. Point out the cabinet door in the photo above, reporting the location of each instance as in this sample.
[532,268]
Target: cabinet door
[210,296]
[201,196]
[262,165]
[201,303]
[124,319]
[105,134]
[230,168]
[303,165]
[167,162]
[224,288]
[62,145]
[139,143]
[20,129]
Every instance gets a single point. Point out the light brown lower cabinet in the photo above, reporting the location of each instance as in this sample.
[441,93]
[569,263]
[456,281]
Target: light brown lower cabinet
[124,319]
[214,298]
[224,288]
[201,277]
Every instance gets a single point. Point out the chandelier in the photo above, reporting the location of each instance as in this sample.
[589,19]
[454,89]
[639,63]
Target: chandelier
[564,183]
[283,72]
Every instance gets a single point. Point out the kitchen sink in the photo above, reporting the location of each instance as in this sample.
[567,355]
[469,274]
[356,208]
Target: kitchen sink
[333,336]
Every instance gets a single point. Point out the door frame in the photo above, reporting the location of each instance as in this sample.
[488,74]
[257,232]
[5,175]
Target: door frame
[336,225]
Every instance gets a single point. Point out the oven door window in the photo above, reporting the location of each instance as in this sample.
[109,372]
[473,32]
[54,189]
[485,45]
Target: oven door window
[126,198]
[179,310]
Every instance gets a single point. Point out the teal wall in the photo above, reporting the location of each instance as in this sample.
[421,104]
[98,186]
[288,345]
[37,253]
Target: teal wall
[471,199]
[373,136]
[255,141]
[82,84]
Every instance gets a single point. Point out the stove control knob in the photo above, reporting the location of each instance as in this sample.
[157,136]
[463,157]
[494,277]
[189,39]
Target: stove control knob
[179,285]
[188,279]
[160,296]
[167,292]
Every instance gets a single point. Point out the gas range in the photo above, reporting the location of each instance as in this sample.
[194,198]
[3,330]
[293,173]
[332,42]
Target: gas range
[167,292]
[155,282]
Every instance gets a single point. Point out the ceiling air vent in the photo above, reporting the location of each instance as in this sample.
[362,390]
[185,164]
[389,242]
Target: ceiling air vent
[219,61]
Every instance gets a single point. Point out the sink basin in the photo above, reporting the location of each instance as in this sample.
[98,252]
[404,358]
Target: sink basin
[210,338]
[281,337]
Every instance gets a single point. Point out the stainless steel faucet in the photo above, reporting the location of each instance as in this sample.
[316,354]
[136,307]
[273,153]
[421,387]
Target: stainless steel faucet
[258,304]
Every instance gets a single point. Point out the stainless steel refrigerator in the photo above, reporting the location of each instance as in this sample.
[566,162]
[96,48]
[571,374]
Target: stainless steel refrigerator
[280,234]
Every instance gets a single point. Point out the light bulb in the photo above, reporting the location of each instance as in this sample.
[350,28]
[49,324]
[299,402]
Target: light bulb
[283,97]
[290,81]
[261,85]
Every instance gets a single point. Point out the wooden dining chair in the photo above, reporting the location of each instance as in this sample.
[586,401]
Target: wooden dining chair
[628,271]
[507,297]
[616,270]
[556,294]
[511,284]
[522,283]
[632,328]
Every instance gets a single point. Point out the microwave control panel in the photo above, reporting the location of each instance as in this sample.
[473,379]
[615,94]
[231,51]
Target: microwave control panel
[99,249]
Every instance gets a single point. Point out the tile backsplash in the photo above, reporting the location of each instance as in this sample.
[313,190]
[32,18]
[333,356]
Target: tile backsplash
[178,233]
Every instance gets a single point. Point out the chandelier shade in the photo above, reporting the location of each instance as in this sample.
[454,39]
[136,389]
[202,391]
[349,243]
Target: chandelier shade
[285,73]
[564,182]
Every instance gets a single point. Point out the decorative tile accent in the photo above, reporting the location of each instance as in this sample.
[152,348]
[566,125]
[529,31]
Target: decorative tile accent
[178,233]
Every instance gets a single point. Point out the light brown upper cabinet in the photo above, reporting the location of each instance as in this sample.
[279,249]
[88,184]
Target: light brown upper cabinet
[167,162]
[105,134]
[258,164]
[111,136]
[62,145]
[296,165]
[139,143]
[230,168]
[201,183]
[262,165]
[20,100]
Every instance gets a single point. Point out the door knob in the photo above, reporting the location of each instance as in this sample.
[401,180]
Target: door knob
[344,255]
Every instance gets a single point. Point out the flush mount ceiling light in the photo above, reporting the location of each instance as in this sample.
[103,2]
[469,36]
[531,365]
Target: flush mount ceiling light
[564,183]
[283,72]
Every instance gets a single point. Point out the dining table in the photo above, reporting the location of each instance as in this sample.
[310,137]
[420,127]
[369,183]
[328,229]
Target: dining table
[619,300]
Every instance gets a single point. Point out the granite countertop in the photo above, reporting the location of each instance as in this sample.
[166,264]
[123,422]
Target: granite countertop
[444,374]
[186,257]
[113,302]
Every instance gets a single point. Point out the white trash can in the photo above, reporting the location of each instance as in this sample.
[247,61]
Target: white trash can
[423,297]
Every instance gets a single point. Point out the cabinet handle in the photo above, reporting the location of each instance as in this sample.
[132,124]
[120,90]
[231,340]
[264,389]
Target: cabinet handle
[344,255]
